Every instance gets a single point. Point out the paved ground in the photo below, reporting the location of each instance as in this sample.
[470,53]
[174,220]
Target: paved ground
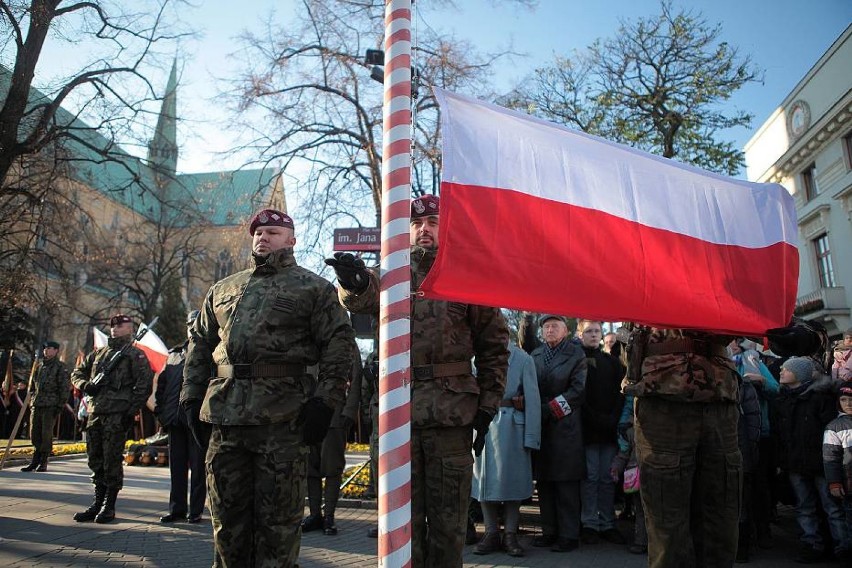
[36,529]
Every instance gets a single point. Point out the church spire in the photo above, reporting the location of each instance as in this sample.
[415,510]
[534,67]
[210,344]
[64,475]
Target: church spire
[163,150]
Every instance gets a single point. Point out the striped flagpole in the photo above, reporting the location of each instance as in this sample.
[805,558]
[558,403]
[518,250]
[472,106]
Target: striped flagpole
[395,310]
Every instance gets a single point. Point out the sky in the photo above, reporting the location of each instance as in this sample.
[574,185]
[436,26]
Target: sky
[783,37]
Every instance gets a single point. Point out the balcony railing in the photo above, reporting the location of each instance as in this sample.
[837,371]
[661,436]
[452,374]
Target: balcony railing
[823,301]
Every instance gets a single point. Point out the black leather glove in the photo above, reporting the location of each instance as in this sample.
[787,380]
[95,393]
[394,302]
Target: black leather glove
[351,271]
[480,425]
[800,338]
[200,430]
[91,388]
[315,418]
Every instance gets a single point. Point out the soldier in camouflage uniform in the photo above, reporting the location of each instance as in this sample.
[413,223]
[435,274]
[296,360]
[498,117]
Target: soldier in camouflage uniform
[112,406]
[257,333]
[686,417]
[448,403]
[48,391]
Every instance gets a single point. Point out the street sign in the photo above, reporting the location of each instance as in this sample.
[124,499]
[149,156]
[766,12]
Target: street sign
[367,239]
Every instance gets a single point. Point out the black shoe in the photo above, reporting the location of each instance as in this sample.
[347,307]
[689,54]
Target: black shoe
[92,512]
[328,526]
[590,536]
[311,523]
[511,545]
[171,518]
[614,536]
[809,555]
[489,543]
[565,545]
[34,463]
[545,540]
[373,533]
[194,519]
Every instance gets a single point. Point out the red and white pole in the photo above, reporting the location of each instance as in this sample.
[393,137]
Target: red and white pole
[395,310]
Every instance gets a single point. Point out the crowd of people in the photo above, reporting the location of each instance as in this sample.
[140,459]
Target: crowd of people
[698,435]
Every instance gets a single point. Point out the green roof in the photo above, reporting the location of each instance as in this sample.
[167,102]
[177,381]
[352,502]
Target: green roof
[226,198]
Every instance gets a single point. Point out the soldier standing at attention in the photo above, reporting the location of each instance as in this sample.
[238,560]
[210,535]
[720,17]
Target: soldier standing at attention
[448,403]
[257,333]
[112,407]
[49,389]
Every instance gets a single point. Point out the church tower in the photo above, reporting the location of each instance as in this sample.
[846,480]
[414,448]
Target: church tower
[163,150]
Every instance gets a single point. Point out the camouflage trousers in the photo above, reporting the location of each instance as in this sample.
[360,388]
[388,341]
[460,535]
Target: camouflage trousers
[441,475]
[691,476]
[256,490]
[42,421]
[105,438]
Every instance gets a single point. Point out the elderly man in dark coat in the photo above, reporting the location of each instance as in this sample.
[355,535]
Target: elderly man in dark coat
[560,465]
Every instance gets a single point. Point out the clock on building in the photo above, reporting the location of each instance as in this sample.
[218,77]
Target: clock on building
[798,119]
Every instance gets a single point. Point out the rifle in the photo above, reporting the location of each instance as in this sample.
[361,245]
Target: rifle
[110,365]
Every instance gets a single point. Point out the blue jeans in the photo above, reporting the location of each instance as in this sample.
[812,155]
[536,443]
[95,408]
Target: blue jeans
[808,491]
[598,489]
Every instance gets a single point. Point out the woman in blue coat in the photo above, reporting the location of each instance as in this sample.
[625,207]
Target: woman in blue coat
[503,472]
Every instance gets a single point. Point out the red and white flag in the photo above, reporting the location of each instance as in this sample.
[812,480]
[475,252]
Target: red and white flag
[539,217]
[151,344]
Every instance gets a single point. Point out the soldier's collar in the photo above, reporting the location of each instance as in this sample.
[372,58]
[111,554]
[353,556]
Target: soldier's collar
[280,258]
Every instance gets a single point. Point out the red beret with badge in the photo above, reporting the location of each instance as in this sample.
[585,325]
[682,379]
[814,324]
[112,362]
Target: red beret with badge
[425,206]
[270,218]
[119,319]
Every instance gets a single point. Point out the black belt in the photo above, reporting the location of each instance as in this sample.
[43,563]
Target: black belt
[441,370]
[686,345]
[249,371]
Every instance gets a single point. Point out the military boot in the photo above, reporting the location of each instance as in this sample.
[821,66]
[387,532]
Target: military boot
[34,463]
[107,512]
[90,513]
[328,526]
[42,466]
[489,543]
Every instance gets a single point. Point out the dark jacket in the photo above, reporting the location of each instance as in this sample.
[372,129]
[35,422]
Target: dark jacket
[167,396]
[749,426]
[604,400]
[799,417]
[562,456]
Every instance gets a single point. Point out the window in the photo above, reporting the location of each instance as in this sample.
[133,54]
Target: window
[823,258]
[224,266]
[809,182]
[847,150]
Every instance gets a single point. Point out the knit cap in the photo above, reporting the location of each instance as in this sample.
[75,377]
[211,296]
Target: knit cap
[801,367]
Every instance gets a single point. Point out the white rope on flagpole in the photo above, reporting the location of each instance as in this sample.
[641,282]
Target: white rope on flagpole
[395,299]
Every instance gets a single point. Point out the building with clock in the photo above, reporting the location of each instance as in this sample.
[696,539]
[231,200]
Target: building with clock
[806,146]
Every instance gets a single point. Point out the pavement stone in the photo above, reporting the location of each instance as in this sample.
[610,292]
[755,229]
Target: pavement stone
[37,529]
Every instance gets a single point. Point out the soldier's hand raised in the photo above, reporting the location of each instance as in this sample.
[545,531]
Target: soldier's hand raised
[351,271]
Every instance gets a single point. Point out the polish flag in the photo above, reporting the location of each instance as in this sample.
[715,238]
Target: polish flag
[151,344]
[539,217]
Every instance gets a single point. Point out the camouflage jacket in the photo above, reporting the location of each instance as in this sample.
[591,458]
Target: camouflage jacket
[702,375]
[447,332]
[128,386]
[277,313]
[50,386]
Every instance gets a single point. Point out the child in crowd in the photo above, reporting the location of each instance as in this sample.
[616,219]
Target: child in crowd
[837,460]
[626,463]
[801,412]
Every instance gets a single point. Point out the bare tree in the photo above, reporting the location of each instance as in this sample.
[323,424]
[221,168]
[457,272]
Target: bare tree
[110,89]
[312,105]
[656,84]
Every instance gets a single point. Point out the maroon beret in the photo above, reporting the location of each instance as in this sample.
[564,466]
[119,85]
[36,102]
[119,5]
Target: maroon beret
[119,319]
[425,206]
[269,218]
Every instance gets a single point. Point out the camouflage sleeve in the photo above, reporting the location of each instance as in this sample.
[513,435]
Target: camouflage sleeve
[81,375]
[491,355]
[62,385]
[367,302]
[143,379]
[203,338]
[336,340]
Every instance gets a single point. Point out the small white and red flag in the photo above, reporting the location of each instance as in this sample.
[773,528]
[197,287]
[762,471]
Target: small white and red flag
[539,217]
[151,344]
